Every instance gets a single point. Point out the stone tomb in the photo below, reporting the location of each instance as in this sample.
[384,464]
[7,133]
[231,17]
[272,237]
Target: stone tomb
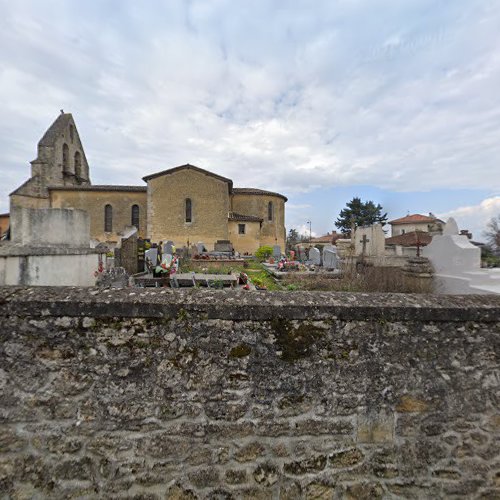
[315,256]
[150,255]
[277,252]
[369,241]
[49,247]
[457,264]
[168,248]
[330,257]
[224,246]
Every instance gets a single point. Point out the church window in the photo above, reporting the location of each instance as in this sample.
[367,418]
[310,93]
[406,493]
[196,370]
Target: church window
[71,133]
[108,218]
[189,214]
[135,216]
[270,210]
[65,158]
[78,164]
[241,228]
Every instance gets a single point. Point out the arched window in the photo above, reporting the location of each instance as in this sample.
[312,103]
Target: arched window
[135,216]
[65,158]
[108,218]
[188,210]
[78,164]
[270,211]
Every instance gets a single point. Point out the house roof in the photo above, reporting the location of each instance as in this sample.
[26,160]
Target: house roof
[241,217]
[5,215]
[327,238]
[56,129]
[260,192]
[415,218]
[410,239]
[187,166]
[102,187]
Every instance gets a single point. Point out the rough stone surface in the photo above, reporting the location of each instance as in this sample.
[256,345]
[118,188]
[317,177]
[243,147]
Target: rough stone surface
[143,394]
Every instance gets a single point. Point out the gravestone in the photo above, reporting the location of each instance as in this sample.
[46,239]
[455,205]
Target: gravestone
[201,247]
[151,255]
[223,246]
[140,255]
[276,251]
[194,251]
[330,257]
[369,241]
[128,257]
[168,247]
[315,256]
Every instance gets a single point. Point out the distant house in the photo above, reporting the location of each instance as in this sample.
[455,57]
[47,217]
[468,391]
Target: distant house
[4,223]
[417,222]
[327,239]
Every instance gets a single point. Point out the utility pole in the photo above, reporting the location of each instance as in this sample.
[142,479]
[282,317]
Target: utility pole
[310,232]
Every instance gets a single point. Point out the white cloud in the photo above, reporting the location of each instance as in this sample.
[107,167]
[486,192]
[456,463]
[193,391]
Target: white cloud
[399,95]
[475,217]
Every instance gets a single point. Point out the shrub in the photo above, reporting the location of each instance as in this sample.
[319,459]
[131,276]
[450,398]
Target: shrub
[264,252]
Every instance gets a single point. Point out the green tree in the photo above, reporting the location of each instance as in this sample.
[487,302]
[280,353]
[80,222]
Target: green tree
[293,238]
[358,213]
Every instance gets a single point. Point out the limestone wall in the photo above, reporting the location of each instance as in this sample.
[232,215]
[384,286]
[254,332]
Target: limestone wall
[205,394]
[248,242]
[167,196]
[272,231]
[93,202]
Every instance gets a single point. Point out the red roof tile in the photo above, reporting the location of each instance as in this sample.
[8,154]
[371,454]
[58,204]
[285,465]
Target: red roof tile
[415,218]
[410,239]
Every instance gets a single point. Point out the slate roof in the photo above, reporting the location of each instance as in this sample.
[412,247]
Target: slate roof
[415,218]
[187,166]
[410,239]
[256,191]
[101,187]
[56,129]
[241,217]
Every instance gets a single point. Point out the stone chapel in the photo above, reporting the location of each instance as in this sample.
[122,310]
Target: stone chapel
[185,204]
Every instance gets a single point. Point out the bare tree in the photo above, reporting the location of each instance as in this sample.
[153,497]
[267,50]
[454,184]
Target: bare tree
[492,234]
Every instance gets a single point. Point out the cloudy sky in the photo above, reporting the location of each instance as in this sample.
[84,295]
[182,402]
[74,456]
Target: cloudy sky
[390,100]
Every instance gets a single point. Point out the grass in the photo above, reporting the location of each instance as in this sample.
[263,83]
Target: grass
[371,279]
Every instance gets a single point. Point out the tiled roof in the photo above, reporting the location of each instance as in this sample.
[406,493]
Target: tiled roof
[57,128]
[410,239]
[415,218]
[327,238]
[241,217]
[187,166]
[102,187]
[256,191]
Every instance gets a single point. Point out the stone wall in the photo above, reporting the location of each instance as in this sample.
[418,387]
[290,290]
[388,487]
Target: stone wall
[272,232]
[211,394]
[95,198]
[167,196]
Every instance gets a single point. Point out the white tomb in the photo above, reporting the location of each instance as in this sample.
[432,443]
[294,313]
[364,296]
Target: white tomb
[457,264]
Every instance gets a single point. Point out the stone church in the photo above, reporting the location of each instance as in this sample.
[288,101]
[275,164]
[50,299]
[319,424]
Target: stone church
[185,204]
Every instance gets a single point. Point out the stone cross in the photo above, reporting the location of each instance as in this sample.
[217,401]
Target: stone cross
[364,240]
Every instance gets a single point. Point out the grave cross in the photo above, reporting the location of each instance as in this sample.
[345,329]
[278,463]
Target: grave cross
[364,240]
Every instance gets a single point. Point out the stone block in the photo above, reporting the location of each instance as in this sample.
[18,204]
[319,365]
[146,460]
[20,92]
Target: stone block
[375,428]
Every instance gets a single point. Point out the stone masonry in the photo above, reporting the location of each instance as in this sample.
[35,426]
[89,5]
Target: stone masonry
[208,394]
